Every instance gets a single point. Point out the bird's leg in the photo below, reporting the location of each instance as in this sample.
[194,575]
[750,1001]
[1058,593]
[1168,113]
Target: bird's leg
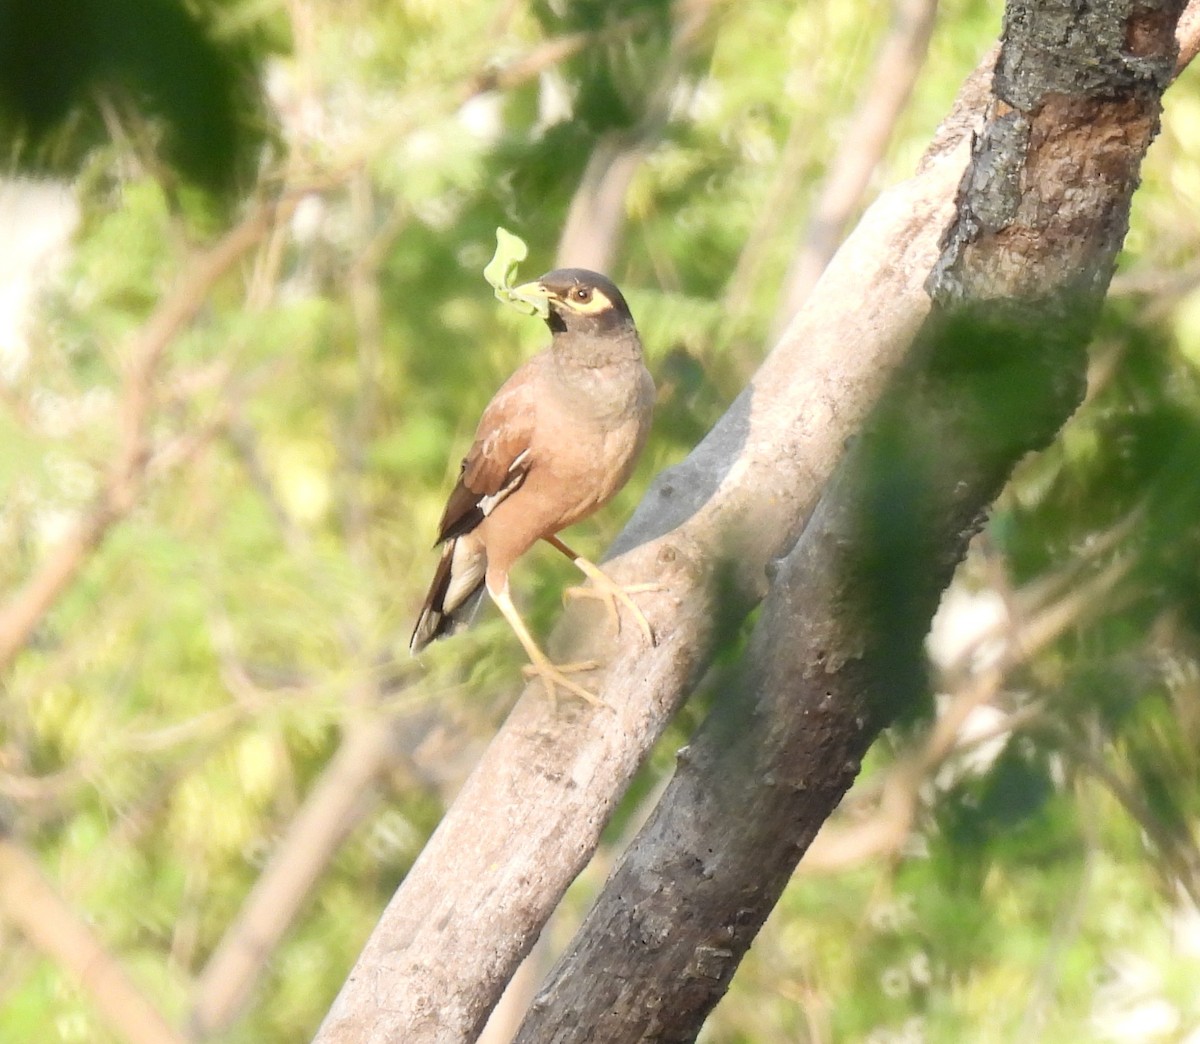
[607,590]
[539,663]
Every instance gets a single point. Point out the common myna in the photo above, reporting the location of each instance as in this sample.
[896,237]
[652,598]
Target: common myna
[557,442]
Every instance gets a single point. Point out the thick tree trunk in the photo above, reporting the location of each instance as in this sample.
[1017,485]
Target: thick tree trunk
[997,368]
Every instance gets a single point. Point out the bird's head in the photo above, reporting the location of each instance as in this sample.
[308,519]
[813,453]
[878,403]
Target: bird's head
[580,302]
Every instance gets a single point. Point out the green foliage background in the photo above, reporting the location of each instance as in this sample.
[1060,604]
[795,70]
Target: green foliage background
[161,730]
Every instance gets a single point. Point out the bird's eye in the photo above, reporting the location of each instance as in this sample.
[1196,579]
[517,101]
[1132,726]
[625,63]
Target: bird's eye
[582,294]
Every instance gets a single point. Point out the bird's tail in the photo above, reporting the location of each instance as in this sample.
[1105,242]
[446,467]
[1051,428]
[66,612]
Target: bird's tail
[453,595]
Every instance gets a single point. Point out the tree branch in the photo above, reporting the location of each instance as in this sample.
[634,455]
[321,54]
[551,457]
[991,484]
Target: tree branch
[22,613]
[866,139]
[52,927]
[530,815]
[596,217]
[835,656]
[885,833]
[336,804]
[548,54]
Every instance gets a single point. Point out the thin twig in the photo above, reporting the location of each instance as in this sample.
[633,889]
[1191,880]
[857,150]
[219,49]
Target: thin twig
[900,60]
[596,216]
[1187,34]
[25,610]
[1176,849]
[355,435]
[339,801]
[548,54]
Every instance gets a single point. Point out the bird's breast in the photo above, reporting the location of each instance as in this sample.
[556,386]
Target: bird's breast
[588,443]
[584,443]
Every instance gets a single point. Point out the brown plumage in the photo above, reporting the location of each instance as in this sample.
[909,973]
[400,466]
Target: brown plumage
[557,442]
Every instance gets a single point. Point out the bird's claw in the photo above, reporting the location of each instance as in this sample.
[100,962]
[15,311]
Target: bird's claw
[610,594]
[554,676]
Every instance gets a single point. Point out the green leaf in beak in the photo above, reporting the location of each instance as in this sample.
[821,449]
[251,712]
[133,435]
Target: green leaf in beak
[501,273]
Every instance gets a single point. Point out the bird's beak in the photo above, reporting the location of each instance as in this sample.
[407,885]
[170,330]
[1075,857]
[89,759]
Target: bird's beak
[535,295]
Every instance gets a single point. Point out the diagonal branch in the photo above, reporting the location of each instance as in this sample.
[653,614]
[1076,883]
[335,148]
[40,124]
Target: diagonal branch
[336,804]
[836,654]
[901,58]
[530,815]
[53,928]
[595,220]
[550,53]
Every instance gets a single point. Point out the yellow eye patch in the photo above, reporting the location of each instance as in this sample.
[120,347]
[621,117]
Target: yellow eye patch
[595,304]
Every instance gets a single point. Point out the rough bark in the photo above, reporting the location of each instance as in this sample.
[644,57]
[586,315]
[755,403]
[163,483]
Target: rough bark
[997,367]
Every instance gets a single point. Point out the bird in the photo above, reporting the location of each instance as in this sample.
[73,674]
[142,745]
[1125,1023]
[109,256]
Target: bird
[556,443]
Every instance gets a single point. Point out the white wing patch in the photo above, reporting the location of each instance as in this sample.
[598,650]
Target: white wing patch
[516,475]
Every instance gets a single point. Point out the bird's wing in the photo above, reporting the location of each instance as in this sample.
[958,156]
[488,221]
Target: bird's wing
[497,462]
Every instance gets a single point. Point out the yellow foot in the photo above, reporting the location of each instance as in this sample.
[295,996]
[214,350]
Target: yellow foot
[610,594]
[554,677]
